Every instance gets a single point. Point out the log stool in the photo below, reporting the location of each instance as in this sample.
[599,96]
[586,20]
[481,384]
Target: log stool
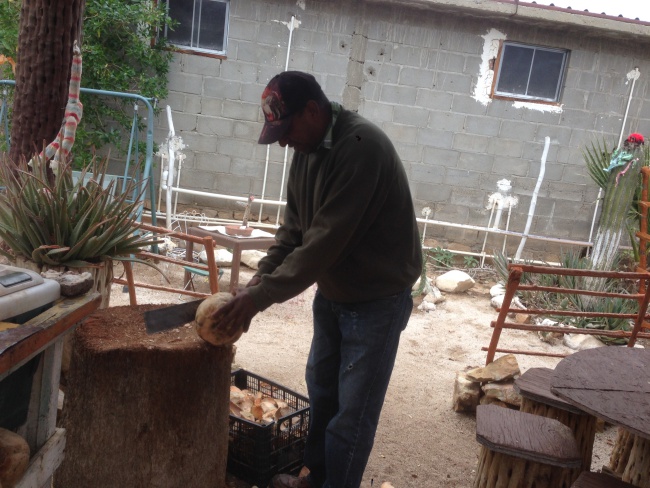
[521,450]
[599,480]
[534,386]
[142,410]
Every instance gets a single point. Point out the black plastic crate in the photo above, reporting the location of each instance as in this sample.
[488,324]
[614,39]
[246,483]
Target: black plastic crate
[257,452]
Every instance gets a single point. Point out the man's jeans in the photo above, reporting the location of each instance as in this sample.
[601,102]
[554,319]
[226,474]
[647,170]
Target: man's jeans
[350,362]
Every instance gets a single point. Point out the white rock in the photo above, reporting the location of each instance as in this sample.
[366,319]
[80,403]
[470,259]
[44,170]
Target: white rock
[223,257]
[497,302]
[454,281]
[426,306]
[498,289]
[252,257]
[580,342]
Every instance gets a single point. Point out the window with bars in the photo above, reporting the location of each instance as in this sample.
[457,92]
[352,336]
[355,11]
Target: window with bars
[199,25]
[531,73]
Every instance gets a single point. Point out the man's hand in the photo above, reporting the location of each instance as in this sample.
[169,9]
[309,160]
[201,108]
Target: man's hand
[239,310]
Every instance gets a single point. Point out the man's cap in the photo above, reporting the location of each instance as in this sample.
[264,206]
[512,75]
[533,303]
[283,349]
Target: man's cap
[635,138]
[286,94]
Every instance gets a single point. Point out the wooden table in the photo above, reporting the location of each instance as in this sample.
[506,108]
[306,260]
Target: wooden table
[43,334]
[612,383]
[237,244]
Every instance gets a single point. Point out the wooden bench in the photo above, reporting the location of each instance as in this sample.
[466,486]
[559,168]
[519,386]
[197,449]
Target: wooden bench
[534,386]
[522,450]
[599,480]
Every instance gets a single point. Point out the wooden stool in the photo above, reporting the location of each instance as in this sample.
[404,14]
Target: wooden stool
[599,480]
[534,386]
[521,450]
[144,410]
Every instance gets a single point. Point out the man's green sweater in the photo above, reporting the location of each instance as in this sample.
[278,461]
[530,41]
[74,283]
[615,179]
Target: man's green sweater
[349,224]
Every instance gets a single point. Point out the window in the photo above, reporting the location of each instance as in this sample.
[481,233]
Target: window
[530,73]
[201,25]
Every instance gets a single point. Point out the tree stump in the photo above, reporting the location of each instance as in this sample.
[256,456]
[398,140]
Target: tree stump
[621,451]
[144,410]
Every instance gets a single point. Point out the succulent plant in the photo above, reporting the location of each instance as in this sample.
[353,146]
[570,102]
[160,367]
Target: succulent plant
[72,222]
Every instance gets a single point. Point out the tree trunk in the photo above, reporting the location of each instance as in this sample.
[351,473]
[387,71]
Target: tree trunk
[48,29]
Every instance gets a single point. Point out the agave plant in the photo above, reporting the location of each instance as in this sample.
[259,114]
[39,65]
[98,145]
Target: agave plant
[73,222]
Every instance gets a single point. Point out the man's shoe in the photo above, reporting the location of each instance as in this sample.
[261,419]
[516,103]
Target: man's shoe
[288,481]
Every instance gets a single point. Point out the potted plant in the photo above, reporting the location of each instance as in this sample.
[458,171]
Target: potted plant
[81,223]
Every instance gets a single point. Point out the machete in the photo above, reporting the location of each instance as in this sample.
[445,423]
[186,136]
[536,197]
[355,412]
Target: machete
[162,319]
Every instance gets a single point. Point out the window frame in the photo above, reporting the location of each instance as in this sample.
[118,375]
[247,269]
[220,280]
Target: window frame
[523,97]
[198,50]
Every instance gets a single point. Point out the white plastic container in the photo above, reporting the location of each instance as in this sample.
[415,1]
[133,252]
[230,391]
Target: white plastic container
[23,291]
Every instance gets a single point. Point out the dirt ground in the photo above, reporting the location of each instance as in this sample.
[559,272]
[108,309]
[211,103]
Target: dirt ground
[421,442]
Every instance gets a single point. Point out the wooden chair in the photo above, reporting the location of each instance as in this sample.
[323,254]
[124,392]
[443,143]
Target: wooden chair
[599,480]
[534,386]
[522,450]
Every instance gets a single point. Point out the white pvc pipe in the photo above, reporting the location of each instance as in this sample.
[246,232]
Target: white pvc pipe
[170,169]
[533,201]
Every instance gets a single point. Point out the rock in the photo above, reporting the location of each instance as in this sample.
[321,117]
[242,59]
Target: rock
[222,257]
[428,286]
[498,289]
[454,281]
[580,342]
[504,368]
[252,257]
[14,458]
[72,284]
[426,306]
[486,400]
[466,393]
[522,318]
[552,338]
[503,392]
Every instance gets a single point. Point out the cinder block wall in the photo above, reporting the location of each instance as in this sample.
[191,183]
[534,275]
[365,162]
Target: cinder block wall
[413,72]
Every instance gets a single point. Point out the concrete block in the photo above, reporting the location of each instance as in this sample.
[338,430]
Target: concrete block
[401,95]
[454,83]
[447,212]
[552,171]
[378,51]
[242,111]
[400,132]
[426,173]
[418,117]
[468,197]
[239,71]
[184,82]
[197,142]
[461,177]
[448,121]
[249,131]
[246,167]
[243,29]
[201,65]
[256,53]
[409,152]
[419,77]
[251,92]
[470,142]
[502,109]
[231,184]
[484,126]
[609,123]
[214,126]
[464,104]
[211,106]
[566,191]
[214,162]
[524,132]
[537,117]
[559,135]
[435,156]
[409,56]
[387,73]
[376,112]
[480,162]
[435,138]
[183,121]
[449,62]
[432,192]
[330,63]
[236,148]
[505,147]
[220,88]
[434,100]
[602,103]
[511,166]
[576,174]
[197,180]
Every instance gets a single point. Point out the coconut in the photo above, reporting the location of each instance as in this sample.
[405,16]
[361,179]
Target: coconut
[207,328]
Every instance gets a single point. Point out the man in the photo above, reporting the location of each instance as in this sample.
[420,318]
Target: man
[349,226]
